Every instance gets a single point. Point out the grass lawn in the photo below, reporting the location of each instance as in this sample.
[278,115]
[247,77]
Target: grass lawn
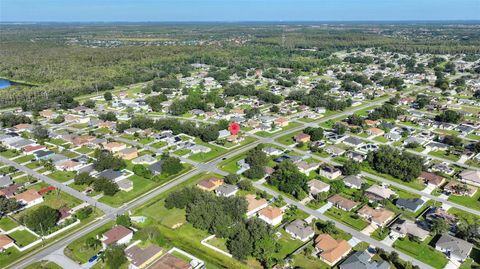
[23,237]
[220,243]
[33,165]
[24,159]
[140,186]
[471,202]
[288,127]
[62,176]
[84,150]
[421,252]
[9,154]
[381,139]
[380,234]
[158,145]
[310,262]
[6,223]
[287,245]
[230,165]
[205,157]
[79,252]
[167,217]
[44,265]
[444,155]
[286,139]
[347,218]
[464,215]
[69,154]
[145,140]
[181,152]
[57,141]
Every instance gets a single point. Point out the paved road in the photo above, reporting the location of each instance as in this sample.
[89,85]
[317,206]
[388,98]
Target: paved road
[105,208]
[353,232]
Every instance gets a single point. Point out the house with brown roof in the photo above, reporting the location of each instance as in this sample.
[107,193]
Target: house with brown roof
[316,186]
[378,193]
[432,179]
[127,153]
[372,122]
[281,122]
[33,148]
[306,167]
[114,146]
[168,261]
[254,204]
[140,258]
[5,242]
[29,198]
[271,215]
[82,140]
[68,165]
[22,127]
[374,131]
[302,138]
[47,114]
[470,177]
[330,250]
[342,202]
[117,235]
[378,216]
[210,184]
[458,188]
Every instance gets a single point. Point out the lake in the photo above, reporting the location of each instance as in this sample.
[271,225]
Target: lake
[5,83]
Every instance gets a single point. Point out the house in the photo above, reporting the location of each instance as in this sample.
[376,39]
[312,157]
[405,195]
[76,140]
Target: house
[356,156]
[316,186]
[330,250]
[168,261]
[470,177]
[5,181]
[29,198]
[342,202]
[412,204]
[65,213]
[353,141]
[402,228]
[22,127]
[432,179]
[210,184]
[457,188]
[433,146]
[68,165]
[440,213]
[372,122]
[271,151]
[378,216]
[5,242]
[139,258]
[33,148]
[117,235]
[329,172]
[375,131]
[145,159]
[393,136]
[353,182]
[127,153]
[110,174]
[226,190]
[302,138]
[334,151]
[10,191]
[363,260]
[271,215]
[254,204]
[306,167]
[281,122]
[82,140]
[443,168]
[114,146]
[125,184]
[43,154]
[156,168]
[455,248]
[300,230]
[377,193]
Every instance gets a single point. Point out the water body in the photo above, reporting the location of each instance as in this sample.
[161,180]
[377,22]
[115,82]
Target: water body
[5,83]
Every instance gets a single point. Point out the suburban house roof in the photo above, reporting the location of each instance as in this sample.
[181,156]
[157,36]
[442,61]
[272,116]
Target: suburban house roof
[210,183]
[408,227]
[454,245]
[378,215]
[412,204]
[109,174]
[254,203]
[363,260]
[354,181]
[300,228]
[168,261]
[5,241]
[318,185]
[28,196]
[432,178]
[271,213]
[471,175]
[342,202]
[5,181]
[138,256]
[381,192]
[115,234]
[332,249]
[226,189]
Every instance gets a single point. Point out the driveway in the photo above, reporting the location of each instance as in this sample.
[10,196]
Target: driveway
[324,208]
[369,229]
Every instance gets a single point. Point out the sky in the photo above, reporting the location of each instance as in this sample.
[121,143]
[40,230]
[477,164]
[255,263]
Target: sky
[236,10]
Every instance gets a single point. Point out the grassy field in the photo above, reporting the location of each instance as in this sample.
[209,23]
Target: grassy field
[230,165]
[347,218]
[444,155]
[160,214]
[220,243]
[471,202]
[286,140]
[24,159]
[291,125]
[62,176]
[23,237]
[6,223]
[308,262]
[421,252]
[79,252]
[9,154]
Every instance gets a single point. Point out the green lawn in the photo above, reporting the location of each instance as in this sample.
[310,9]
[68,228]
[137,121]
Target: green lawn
[287,245]
[57,141]
[167,217]
[380,234]
[291,125]
[62,176]
[6,223]
[145,140]
[44,265]
[9,154]
[158,145]
[181,152]
[286,139]
[23,237]
[220,243]
[421,252]
[79,252]
[381,139]
[464,215]
[230,165]
[471,202]
[24,159]
[347,218]
[309,262]
[84,150]
[416,184]
[444,155]
[33,165]
[205,157]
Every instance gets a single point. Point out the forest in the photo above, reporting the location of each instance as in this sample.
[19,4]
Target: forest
[60,60]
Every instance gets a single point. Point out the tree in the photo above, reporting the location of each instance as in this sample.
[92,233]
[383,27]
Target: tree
[149,233]
[40,132]
[402,165]
[231,179]
[240,246]
[438,226]
[93,243]
[171,165]
[245,185]
[109,116]
[142,171]
[476,147]
[340,128]
[89,103]
[106,186]
[83,178]
[256,157]
[315,133]
[351,167]
[8,205]
[108,96]
[155,102]
[59,119]
[255,172]
[289,179]
[449,116]
[106,160]
[84,213]
[327,227]
[123,220]
[115,256]
[42,219]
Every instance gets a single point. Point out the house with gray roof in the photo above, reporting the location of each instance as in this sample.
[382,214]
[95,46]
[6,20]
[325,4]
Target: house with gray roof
[403,228]
[455,248]
[300,230]
[353,141]
[111,174]
[412,204]
[363,260]
[156,168]
[226,190]
[5,181]
[145,159]
[353,182]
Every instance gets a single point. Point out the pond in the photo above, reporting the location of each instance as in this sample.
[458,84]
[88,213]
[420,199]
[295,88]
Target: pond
[5,83]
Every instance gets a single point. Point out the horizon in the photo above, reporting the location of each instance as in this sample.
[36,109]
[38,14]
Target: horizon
[235,11]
